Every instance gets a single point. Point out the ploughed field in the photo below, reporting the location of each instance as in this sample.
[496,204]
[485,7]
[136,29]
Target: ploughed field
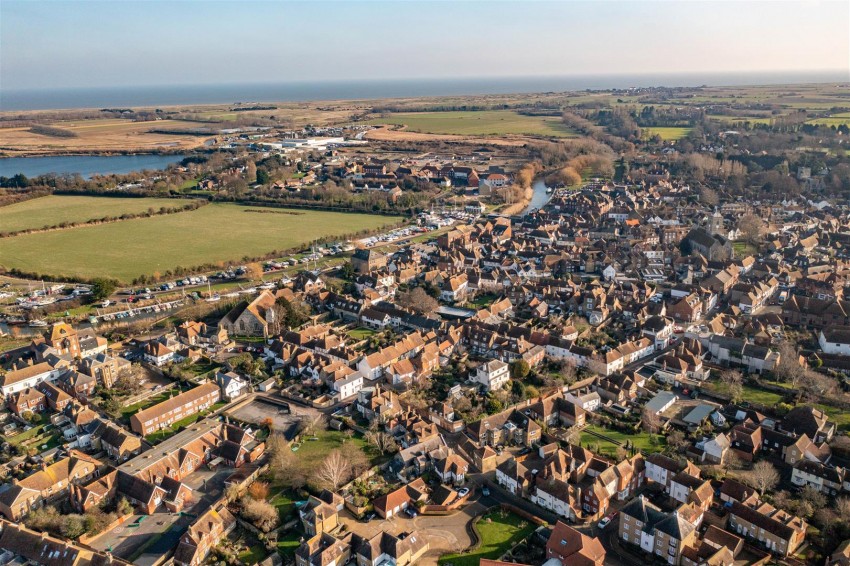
[480,123]
[213,234]
[52,210]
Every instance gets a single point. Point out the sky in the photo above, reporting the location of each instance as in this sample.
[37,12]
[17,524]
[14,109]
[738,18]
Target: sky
[69,44]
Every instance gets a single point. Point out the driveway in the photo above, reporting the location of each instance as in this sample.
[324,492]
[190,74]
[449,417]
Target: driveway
[445,533]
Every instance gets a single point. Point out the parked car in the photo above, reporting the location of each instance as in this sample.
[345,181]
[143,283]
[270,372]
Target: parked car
[410,511]
[485,491]
[604,522]
[463,492]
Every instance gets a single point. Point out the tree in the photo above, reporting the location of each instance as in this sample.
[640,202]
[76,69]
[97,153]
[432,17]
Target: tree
[384,442]
[733,382]
[751,227]
[651,420]
[520,369]
[418,300]
[263,177]
[253,271]
[102,288]
[262,514]
[763,476]
[842,507]
[123,507]
[567,372]
[259,490]
[334,471]
[676,440]
[813,496]
[708,196]
[73,526]
[788,369]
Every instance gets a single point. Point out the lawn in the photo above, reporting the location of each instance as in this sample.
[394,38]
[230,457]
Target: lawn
[751,394]
[254,555]
[668,134]
[311,453]
[840,119]
[640,440]
[840,417]
[743,249]
[288,543]
[213,234]
[360,333]
[483,123]
[500,531]
[55,209]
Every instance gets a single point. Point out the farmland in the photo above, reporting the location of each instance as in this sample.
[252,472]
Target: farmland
[216,233]
[489,122]
[101,135]
[54,209]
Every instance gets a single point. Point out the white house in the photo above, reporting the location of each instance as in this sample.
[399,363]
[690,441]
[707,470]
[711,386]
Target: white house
[29,376]
[492,375]
[835,340]
[716,448]
[589,401]
[349,385]
[232,385]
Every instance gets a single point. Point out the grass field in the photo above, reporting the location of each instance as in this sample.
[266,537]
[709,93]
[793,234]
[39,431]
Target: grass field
[488,122]
[841,119]
[640,441]
[54,209]
[500,531]
[216,233]
[667,134]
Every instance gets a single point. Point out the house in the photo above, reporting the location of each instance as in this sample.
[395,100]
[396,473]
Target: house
[163,414]
[29,376]
[20,545]
[767,527]
[321,513]
[119,444]
[835,340]
[384,548]
[810,421]
[158,353]
[365,261]
[492,375]
[232,385]
[29,400]
[452,469]
[322,550]
[572,548]
[664,534]
[51,482]
[397,501]
[204,534]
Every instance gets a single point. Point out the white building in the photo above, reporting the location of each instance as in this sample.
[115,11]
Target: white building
[835,340]
[492,375]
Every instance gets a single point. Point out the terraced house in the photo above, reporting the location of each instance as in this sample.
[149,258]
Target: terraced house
[48,484]
[163,415]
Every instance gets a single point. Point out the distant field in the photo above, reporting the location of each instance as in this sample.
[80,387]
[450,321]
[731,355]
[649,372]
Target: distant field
[213,233]
[102,135]
[484,123]
[668,134]
[54,209]
[751,119]
[842,119]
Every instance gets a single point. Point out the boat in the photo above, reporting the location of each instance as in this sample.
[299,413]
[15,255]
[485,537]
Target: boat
[214,298]
[92,320]
[38,323]
[548,190]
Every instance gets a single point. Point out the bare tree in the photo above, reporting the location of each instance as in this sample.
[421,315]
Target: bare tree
[651,420]
[334,471]
[384,442]
[417,300]
[752,228]
[788,368]
[262,514]
[763,476]
[842,507]
[567,372]
[733,381]
[708,196]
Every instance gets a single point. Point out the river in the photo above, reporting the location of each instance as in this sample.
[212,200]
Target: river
[540,196]
[85,165]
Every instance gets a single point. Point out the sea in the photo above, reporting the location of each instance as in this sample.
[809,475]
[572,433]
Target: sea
[85,165]
[118,97]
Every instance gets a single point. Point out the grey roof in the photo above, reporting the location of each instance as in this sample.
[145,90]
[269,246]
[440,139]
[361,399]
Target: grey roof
[660,401]
[698,414]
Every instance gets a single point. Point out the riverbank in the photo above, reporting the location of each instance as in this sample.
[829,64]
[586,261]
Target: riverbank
[520,206]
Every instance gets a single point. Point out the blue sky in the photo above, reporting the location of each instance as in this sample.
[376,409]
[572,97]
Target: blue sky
[61,44]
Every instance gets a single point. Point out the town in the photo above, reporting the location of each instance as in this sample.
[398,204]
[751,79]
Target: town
[630,372]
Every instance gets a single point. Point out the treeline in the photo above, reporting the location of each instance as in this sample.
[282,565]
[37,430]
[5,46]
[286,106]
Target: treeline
[194,205]
[52,132]
[518,106]
[570,159]
[248,108]
[598,133]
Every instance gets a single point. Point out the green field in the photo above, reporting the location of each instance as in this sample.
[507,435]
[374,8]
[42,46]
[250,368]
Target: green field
[211,234]
[484,123]
[667,134]
[640,440]
[500,531]
[55,209]
[842,119]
